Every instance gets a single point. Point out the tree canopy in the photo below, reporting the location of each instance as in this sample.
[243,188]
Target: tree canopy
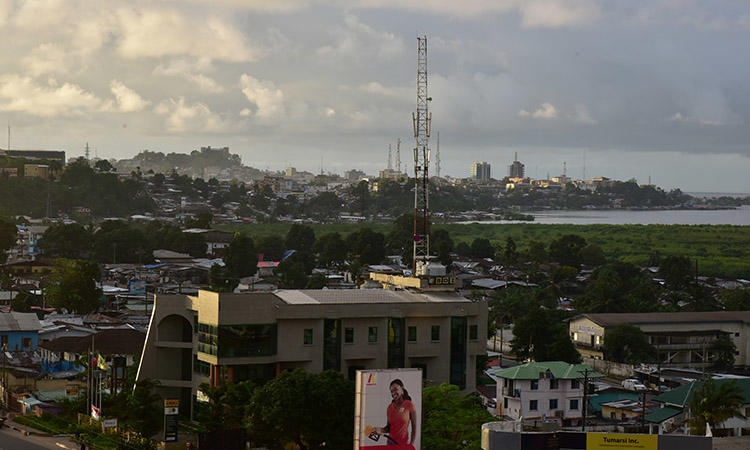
[72,286]
[626,343]
[451,419]
[714,402]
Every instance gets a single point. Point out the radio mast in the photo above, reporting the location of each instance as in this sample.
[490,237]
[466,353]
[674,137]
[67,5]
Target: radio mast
[421,123]
[398,155]
[390,166]
[437,156]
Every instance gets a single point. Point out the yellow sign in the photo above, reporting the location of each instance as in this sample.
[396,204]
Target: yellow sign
[171,403]
[617,441]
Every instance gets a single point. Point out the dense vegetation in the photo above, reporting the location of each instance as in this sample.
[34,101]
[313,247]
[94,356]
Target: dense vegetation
[80,186]
[718,250]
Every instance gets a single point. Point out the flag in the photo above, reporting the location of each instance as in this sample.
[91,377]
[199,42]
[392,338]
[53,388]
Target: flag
[101,363]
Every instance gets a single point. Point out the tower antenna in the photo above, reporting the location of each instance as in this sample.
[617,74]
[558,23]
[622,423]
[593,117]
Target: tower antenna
[437,156]
[390,166]
[398,155]
[87,151]
[8,135]
[584,163]
[421,122]
[565,169]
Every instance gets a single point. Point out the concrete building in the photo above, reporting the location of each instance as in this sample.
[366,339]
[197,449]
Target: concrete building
[516,169]
[19,331]
[480,170]
[48,155]
[536,390]
[36,171]
[683,339]
[212,336]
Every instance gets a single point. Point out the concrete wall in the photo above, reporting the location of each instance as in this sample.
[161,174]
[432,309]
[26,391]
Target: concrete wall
[610,367]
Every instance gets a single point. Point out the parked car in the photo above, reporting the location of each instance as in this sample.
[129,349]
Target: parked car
[633,384]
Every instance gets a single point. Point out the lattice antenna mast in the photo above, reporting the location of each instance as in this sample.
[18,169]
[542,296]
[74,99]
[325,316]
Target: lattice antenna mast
[398,155]
[437,156]
[421,123]
[87,151]
[390,152]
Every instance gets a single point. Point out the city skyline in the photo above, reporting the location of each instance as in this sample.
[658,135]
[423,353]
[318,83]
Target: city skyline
[637,90]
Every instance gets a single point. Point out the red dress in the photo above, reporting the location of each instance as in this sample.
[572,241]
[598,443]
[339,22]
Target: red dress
[398,421]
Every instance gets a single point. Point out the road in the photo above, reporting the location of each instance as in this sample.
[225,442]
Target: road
[14,440]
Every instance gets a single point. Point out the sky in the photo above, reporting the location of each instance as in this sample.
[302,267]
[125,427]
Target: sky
[625,89]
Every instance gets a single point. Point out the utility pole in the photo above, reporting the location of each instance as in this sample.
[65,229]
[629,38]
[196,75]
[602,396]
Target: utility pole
[421,122]
[584,409]
[643,410]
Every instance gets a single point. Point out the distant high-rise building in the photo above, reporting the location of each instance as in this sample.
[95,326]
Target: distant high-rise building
[516,170]
[480,170]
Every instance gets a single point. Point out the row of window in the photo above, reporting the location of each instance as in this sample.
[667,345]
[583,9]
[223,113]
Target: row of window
[372,334]
[554,384]
[534,404]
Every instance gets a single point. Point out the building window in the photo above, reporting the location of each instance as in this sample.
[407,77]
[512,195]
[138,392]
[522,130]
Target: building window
[574,384]
[598,340]
[473,332]
[553,383]
[372,334]
[534,385]
[26,342]
[308,339]
[575,336]
[412,334]
[4,340]
[574,404]
[435,333]
[533,405]
[553,403]
[505,402]
[348,335]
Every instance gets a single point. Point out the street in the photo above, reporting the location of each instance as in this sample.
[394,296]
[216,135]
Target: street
[13,440]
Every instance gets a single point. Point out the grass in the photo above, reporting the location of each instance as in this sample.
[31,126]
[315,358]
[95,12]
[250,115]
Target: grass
[718,250]
[47,423]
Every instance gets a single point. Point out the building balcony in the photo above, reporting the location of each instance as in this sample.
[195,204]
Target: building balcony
[174,344]
[513,393]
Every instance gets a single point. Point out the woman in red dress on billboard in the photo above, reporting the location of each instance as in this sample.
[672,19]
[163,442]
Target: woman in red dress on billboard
[401,413]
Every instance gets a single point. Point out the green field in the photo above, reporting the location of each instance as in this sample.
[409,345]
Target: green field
[720,250]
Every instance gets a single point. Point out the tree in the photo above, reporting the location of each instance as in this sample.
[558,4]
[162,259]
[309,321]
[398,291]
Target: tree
[23,301]
[510,253]
[307,409]
[228,405]
[677,272]
[536,252]
[626,343]
[73,286]
[724,349]
[540,335]
[220,281]
[714,402]
[331,250]
[293,272]
[8,232]
[567,250]
[144,411]
[201,220]
[451,419]
[241,258]
[482,248]
[300,237]
[361,195]
[272,247]
[735,299]
[593,255]
[66,241]
[441,245]
[367,245]
[104,166]
[463,249]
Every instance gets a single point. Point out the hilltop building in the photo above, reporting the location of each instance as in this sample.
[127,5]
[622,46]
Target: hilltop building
[48,155]
[516,169]
[480,170]
[214,337]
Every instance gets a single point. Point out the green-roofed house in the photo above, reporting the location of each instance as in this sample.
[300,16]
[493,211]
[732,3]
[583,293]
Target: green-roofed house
[674,411]
[542,390]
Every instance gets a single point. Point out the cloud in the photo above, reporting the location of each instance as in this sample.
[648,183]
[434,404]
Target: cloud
[23,94]
[157,33]
[679,117]
[47,58]
[267,98]
[374,87]
[558,13]
[190,72]
[127,99]
[545,111]
[182,117]
[357,40]
[581,114]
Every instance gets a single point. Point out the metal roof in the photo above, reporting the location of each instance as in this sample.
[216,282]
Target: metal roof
[611,319]
[17,321]
[364,296]
[558,369]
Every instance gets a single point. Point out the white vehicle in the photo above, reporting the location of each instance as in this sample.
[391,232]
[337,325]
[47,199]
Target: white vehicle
[633,384]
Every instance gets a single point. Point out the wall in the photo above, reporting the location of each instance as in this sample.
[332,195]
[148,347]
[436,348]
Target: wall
[15,339]
[609,367]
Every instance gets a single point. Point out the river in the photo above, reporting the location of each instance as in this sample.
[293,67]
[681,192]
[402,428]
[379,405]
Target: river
[739,216]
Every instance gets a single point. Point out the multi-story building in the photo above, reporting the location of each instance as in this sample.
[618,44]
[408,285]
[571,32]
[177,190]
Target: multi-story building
[480,170]
[36,171]
[215,337]
[550,390]
[516,169]
[682,339]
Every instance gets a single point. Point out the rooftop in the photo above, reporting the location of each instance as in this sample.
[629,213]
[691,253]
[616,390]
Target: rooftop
[558,369]
[108,342]
[364,296]
[17,321]
[613,319]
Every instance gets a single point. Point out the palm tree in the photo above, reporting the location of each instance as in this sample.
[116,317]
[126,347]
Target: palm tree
[713,403]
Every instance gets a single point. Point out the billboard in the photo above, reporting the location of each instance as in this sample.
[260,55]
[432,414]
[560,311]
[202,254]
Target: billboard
[388,409]
[621,441]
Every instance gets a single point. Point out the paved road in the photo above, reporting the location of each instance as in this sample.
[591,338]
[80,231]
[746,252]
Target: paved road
[14,440]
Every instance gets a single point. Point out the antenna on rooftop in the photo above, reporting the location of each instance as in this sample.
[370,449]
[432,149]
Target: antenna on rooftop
[398,155]
[87,151]
[437,156]
[584,163]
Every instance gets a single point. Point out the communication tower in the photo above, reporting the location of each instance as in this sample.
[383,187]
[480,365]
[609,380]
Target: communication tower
[437,156]
[421,122]
[398,155]
[390,166]
[87,151]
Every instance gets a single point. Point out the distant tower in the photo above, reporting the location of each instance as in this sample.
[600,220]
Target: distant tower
[480,170]
[398,155]
[87,151]
[516,169]
[437,156]
[421,123]
[565,169]
[8,136]
[390,166]
[584,164]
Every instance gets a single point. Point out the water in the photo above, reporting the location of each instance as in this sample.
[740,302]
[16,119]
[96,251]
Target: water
[739,216]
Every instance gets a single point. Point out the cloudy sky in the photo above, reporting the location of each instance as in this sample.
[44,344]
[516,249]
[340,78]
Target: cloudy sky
[634,88]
